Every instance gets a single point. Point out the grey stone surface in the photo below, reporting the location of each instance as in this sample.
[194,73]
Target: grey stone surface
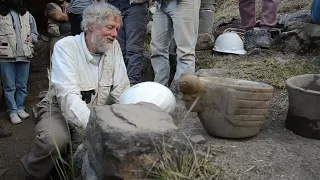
[229,108]
[197,139]
[316,61]
[121,139]
[87,172]
[282,61]
[300,16]
[78,158]
[301,37]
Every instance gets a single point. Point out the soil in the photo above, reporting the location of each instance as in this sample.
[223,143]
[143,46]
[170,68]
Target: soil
[275,153]
[20,143]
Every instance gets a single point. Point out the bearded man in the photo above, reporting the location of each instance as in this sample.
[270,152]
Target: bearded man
[87,70]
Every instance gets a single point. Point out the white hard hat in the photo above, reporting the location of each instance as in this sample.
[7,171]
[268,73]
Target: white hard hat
[150,92]
[229,42]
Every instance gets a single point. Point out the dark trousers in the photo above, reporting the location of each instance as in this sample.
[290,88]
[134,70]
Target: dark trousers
[131,39]
[75,21]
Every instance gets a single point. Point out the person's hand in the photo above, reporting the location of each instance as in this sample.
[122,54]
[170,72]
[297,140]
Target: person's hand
[86,95]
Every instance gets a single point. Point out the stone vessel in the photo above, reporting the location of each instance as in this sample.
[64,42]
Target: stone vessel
[303,116]
[228,108]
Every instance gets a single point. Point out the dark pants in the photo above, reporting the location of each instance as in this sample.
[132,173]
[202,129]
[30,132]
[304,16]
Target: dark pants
[131,38]
[75,21]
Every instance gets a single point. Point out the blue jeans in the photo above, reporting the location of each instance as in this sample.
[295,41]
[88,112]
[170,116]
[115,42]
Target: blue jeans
[181,21]
[14,77]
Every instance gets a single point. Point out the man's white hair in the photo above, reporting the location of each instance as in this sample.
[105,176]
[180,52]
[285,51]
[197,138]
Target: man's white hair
[96,13]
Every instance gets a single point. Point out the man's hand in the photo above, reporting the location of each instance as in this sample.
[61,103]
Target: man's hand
[86,95]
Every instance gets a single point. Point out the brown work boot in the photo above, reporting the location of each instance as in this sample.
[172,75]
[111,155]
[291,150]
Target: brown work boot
[4,133]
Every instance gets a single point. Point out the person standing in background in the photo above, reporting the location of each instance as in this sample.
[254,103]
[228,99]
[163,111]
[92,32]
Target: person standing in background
[132,34]
[260,38]
[58,21]
[18,33]
[178,18]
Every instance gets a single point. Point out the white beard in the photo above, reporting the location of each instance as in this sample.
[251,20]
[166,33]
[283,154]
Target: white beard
[100,44]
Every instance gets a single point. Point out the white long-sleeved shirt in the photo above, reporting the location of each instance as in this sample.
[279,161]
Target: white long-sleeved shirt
[73,71]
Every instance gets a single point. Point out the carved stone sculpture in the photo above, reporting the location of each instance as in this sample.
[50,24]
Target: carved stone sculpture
[229,108]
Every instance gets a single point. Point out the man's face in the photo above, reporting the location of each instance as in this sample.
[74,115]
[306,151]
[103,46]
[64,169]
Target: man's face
[104,35]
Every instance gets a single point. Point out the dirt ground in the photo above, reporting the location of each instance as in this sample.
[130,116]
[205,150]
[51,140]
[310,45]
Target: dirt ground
[275,153]
[14,147]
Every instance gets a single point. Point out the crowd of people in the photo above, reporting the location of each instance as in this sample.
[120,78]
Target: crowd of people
[96,51]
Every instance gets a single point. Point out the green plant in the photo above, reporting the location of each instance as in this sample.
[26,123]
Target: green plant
[64,168]
[183,164]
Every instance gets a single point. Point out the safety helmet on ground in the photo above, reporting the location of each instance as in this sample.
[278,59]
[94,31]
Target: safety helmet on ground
[229,42]
[150,92]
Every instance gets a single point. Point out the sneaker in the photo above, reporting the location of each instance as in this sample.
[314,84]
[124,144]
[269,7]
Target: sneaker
[250,40]
[263,39]
[15,118]
[22,114]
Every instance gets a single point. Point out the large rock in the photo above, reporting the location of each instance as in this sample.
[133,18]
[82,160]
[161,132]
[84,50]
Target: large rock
[205,41]
[121,139]
[301,37]
[300,16]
